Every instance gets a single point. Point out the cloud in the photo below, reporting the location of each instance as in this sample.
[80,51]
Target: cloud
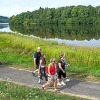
[13,7]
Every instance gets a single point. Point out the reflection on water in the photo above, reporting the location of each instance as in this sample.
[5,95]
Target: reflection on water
[4,27]
[69,34]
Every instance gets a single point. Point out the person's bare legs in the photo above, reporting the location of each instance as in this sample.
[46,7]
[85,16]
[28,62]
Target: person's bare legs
[46,85]
[55,84]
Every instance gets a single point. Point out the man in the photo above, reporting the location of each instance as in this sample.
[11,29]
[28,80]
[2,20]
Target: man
[36,60]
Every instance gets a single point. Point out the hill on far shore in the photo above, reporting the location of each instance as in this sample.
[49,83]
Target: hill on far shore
[4,19]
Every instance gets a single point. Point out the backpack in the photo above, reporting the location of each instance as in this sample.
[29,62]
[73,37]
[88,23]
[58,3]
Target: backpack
[33,55]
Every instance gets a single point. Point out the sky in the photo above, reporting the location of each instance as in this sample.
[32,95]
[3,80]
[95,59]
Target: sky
[14,7]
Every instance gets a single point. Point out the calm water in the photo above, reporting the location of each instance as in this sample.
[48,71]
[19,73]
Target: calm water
[71,34]
[4,27]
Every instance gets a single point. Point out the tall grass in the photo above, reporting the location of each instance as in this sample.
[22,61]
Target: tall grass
[17,49]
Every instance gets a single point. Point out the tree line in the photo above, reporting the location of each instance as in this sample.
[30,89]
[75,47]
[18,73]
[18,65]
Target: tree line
[63,15]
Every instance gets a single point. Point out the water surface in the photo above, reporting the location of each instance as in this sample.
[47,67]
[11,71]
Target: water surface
[70,34]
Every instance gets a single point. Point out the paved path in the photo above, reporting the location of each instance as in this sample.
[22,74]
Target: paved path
[73,87]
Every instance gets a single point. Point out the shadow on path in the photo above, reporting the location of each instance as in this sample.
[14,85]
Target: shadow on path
[70,84]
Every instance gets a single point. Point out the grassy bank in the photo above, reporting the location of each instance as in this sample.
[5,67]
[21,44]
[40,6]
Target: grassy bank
[18,50]
[10,91]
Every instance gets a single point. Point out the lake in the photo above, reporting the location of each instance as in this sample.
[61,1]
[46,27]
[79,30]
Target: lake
[4,27]
[74,35]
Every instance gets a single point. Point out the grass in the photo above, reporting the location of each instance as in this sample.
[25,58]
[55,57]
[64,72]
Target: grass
[17,50]
[11,91]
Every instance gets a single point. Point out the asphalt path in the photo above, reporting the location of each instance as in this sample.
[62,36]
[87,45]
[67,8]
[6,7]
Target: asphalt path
[74,87]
